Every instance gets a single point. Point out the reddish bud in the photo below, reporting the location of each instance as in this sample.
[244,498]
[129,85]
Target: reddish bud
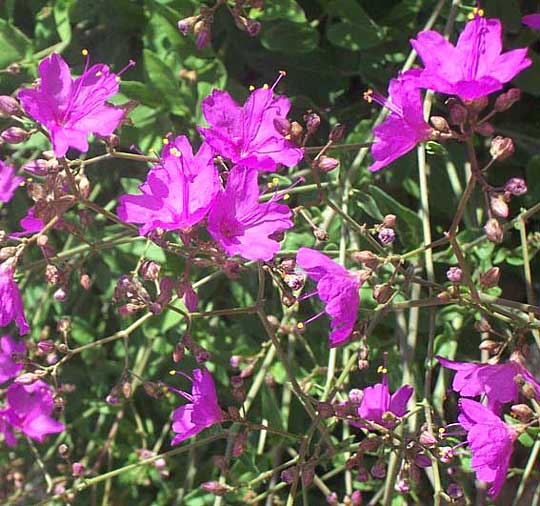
[485,129]
[458,113]
[313,121]
[492,347]
[282,126]
[337,133]
[501,148]
[490,278]
[454,275]
[516,186]
[46,346]
[14,135]
[77,469]
[427,439]
[327,163]
[440,124]
[320,234]
[482,325]
[60,295]
[389,221]
[522,412]
[382,293]
[494,231]
[499,206]
[216,488]
[149,270]
[85,281]
[507,99]
[186,25]
[8,106]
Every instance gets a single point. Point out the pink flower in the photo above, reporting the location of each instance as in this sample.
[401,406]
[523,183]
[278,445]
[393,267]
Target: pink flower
[29,409]
[405,127]
[203,410]
[9,182]
[376,401]
[71,109]
[30,224]
[8,367]
[178,193]
[474,67]
[337,287]
[491,442]
[247,135]
[11,306]
[497,381]
[532,21]
[240,224]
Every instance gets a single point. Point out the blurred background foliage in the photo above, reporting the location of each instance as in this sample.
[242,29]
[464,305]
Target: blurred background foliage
[332,50]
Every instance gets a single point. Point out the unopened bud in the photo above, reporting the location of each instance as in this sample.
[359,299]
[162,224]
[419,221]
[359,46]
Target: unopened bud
[325,409]
[355,395]
[37,167]
[8,106]
[60,295]
[507,99]
[368,258]
[296,132]
[337,133]
[27,378]
[485,129]
[478,104]
[387,236]
[240,444]
[494,231]
[63,450]
[320,234]
[332,499]
[522,412]
[128,309]
[482,326]
[458,113]
[427,439]
[313,121]
[379,470]
[46,346]
[499,206]
[528,390]
[150,270]
[216,488]
[389,221]
[327,163]
[382,293]
[14,135]
[516,186]
[501,148]
[440,124]
[402,486]
[77,469]
[282,126]
[454,491]
[288,264]
[7,252]
[490,278]
[444,296]
[454,275]
[152,389]
[185,25]
[356,498]
[492,347]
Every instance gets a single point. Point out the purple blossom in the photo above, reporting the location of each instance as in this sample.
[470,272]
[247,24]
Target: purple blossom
[405,126]
[8,367]
[9,182]
[497,381]
[387,236]
[11,307]
[474,67]
[203,410]
[178,193]
[29,409]
[377,401]
[243,226]
[491,442]
[71,109]
[532,21]
[247,135]
[337,287]
[30,224]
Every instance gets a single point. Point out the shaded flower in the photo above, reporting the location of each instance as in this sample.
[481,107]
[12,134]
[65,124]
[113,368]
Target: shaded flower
[532,21]
[29,409]
[9,182]
[474,67]
[202,411]
[30,224]
[405,126]
[71,109]
[8,367]
[178,193]
[247,135]
[500,382]
[491,442]
[242,225]
[336,286]
[11,306]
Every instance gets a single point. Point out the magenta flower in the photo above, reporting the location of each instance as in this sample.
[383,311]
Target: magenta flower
[71,109]
[376,401]
[29,409]
[9,182]
[178,193]
[499,381]
[474,67]
[491,442]
[9,368]
[247,135]
[30,224]
[202,411]
[337,287]
[405,126]
[240,224]
[532,21]
[11,306]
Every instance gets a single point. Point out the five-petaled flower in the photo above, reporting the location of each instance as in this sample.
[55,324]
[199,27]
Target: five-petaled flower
[243,226]
[491,442]
[177,193]
[202,411]
[336,286]
[247,135]
[11,305]
[9,368]
[9,182]
[474,67]
[71,109]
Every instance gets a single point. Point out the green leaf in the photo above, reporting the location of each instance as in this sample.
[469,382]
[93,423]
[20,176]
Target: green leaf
[280,9]
[288,37]
[61,18]
[270,408]
[14,45]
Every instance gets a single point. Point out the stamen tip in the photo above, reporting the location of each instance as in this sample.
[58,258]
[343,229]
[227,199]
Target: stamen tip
[84,52]
[172,372]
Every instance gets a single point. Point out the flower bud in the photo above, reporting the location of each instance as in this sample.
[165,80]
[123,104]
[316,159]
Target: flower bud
[455,491]
[478,104]
[337,133]
[85,281]
[282,126]
[320,234]
[288,264]
[149,270]
[46,346]
[440,124]
[63,450]
[485,129]
[7,252]
[8,106]
[128,309]
[185,25]
[26,378]
[490,278]
[356,498]
[482,325]
[382,293]
[14,135]
[240,445]
[402,486]
[389,221]
[494,231]
[499,206]
[454,275]
[60,295]
[386,236]
[507,99]
[427,439]
[379,470]
[528,390]
[325,409]
[332,499]
[37,167]
[327,163]
[77,469]
[516,186]
[458,113]
[522,412]
[501,148]
[201,29]
[355,395]
[313,121]
[492,347]
[296,132]
[368,258]
[288,475]
[294,281]
[216,488]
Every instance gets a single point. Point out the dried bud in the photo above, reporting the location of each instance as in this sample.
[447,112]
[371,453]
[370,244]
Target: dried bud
[294,281]
[320,234]
[501,148]
[45,347]
[8,106]
[370,444]
[355,395]
[482,325]
[386,236]
[178,352]
[337,133]
[389,221]
[382,293]
[492,347]
[288,264]
[458,113]
[240,444]
[507,99]
[528,390]
[282,126]
[296,132]
[63,326]
[440,124]
[454,275]
[499,206]
[446,454]
[327,163]
[150,270]
[494,231]
[216,488]
[478,104]
[186,25]
[522,412]
[367,258]
[325,409]
[37,167]
[127,389]
[60,295]
[516,186]
[26,378]
[63,450]
[379,470]
[14,135]
[7,252]
[152,389]
[427,439]
[313,121]
[77,469]
[485,129]
[454,491]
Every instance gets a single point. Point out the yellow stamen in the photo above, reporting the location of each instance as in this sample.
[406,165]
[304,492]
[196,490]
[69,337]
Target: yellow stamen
[270,185]
[99,73]
[265,86]
[286,196]
[300,325]
[470,16]
[382,370]
[117,79]
[368,96]
[441,430]
[172,372]
[176,152]
[275,180]
[165,141]
[288,137]
[283,72]
[251,87]
[84,52]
